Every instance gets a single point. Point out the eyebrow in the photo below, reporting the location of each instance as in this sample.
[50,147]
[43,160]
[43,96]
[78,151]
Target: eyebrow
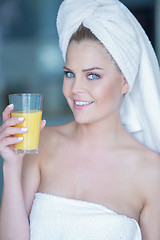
[85,70]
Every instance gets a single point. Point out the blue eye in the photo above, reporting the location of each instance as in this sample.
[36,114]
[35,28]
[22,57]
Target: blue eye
[69,74]
[93,76]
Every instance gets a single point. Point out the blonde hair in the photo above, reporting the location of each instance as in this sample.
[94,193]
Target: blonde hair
[83,33]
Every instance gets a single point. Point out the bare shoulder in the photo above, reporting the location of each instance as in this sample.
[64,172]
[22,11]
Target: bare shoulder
[148,165]
[146,161]
[52,137]
[55,133]
[148,174]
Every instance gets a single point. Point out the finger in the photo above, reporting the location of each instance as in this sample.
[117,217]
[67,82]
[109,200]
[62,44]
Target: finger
[7,111]
[43,123]
[12,131]
[9,141]
[12,122]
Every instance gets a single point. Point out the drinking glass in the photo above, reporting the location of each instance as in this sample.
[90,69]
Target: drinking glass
[29,106]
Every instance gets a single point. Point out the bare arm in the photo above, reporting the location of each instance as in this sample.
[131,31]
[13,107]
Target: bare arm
[150,215]
[13,218]
[14,223]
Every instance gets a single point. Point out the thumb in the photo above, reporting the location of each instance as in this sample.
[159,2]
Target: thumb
[43,123]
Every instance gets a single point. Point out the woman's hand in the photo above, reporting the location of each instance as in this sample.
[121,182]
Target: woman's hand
[7,138]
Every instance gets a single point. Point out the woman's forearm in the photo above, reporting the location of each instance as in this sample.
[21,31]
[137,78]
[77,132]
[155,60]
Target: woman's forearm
[14,223]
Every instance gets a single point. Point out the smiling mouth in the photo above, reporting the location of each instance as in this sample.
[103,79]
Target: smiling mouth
[82,103]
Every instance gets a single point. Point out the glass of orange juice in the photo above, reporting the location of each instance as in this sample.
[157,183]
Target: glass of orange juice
[29,106]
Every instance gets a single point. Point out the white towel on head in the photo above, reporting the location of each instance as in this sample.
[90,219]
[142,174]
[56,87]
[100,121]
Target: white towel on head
[121,34]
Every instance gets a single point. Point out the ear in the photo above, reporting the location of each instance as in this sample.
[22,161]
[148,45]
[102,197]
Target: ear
[125,86]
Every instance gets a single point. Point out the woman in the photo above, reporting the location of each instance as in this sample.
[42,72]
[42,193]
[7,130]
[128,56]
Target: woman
[91,178]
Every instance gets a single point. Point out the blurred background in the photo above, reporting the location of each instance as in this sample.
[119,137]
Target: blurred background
[30,58]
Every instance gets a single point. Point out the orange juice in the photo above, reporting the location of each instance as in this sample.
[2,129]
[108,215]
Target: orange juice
[32,121]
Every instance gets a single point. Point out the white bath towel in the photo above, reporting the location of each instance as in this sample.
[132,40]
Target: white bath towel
[53,217]
[119,31]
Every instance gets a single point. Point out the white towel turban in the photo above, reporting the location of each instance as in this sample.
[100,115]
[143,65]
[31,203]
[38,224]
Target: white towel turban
[121,34]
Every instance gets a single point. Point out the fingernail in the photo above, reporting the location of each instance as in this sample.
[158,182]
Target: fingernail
[20,119]
[24,129]
[20,138]
[10,105]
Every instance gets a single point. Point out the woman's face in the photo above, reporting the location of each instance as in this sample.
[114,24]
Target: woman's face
[93,87]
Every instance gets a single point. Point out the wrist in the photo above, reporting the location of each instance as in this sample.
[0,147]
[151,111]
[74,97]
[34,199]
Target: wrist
[10,169]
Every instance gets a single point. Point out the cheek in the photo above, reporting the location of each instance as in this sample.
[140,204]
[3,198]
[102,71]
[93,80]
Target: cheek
[111,94]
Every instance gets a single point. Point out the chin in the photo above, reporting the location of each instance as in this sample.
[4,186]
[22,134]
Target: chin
[81,119]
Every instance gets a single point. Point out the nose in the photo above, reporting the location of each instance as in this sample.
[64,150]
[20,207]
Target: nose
[78,86]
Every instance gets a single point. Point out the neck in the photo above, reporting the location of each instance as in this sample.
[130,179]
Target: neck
[109,131]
